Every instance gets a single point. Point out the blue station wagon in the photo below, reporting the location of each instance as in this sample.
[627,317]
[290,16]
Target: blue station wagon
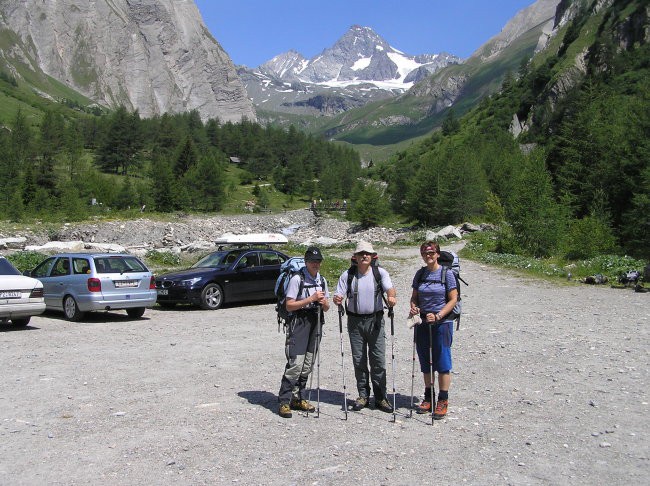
[76,283]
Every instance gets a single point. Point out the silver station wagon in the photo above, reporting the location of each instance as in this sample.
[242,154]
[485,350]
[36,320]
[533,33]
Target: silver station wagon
[76,283]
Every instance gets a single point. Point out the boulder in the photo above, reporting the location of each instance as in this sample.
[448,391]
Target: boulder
[52,247]
[105,247]
[12,243]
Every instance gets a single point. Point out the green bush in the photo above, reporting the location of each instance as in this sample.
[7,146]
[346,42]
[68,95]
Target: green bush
[162,258]
[588,237]
[26,260]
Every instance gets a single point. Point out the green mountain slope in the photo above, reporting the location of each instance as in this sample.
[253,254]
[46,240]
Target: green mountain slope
[416,113]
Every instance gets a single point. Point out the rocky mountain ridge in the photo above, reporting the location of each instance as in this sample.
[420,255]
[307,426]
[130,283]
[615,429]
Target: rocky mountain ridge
[154,56]
[360,67]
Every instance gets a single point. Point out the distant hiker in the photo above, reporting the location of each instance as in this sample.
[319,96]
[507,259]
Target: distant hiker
[363,285]
[434,300]
[307,298]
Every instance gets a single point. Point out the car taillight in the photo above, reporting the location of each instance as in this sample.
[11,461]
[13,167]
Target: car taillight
[94,285]
[38,293]
[152,283]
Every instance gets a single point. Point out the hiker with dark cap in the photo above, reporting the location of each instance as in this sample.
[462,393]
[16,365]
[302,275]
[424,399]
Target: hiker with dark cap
[434,299]
[307,298]
[363,285]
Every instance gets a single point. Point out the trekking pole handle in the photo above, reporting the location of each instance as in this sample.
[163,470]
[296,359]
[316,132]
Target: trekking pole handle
[341,312]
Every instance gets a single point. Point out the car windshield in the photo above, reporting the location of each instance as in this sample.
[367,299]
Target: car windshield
[215,259]
[6,268]
[118,264]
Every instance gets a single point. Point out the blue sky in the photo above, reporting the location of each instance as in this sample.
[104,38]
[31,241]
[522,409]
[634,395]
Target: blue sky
[254,31]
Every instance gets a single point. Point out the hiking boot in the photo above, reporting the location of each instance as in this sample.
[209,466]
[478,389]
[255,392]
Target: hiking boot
[424,407]
[285,410]
[384,405]
[441,410]
[301,404]
[360,403]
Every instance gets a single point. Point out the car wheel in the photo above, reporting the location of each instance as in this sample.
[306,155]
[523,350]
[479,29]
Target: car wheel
[21,322]
[167,305]
[135,312]
[71,309]
[211,297]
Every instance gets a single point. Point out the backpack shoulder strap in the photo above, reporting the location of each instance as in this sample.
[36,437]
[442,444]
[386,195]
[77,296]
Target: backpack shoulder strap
[301,286]
[419,275]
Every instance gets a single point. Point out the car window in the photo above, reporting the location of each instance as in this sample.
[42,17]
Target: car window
[61,267]
[249,260]
[43,270]
[270,258]
[214,259]
[119,264]
[80,266]
[6,268]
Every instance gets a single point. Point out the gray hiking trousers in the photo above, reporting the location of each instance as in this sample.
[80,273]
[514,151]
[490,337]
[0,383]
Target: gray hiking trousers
[300,349]
[368,344]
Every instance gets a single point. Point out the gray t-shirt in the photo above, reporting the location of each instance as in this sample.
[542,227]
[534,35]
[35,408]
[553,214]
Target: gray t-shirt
[311,286]
[362,295]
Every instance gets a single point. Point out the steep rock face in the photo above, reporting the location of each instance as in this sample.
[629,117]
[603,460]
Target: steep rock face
[446,87]
[155,56]
[541,12]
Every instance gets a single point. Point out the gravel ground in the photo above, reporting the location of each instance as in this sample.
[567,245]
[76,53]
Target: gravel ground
[549,386]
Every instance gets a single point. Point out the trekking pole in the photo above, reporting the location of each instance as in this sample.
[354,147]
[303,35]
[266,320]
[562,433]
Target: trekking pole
[412,375]
[345,395]
[430,370]
[318,331]
[391,314]
[315,356]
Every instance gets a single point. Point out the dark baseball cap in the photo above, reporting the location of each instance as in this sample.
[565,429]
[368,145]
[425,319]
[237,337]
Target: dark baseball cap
[313,254]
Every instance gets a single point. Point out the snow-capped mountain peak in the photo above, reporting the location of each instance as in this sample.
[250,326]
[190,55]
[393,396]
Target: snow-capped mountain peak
[360,56]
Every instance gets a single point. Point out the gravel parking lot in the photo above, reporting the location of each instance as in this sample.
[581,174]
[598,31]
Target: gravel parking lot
[550,385]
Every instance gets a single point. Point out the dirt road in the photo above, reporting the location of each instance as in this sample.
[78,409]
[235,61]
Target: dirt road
[550,385]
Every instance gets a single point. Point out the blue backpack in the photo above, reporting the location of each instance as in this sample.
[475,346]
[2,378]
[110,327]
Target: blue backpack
[288,269]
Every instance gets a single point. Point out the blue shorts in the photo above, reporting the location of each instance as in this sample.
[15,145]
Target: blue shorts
[443,336]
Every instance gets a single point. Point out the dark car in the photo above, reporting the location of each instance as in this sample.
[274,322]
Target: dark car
[228,275]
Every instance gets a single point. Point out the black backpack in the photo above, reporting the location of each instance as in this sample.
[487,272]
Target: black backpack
[448,260]
[374,265]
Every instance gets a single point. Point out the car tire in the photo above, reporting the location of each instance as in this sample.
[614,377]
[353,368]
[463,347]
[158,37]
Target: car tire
[135,312]
[211,297]
[22,322]
[71,309]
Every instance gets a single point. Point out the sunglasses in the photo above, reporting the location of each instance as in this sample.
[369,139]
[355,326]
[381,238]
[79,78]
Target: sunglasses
[428,253]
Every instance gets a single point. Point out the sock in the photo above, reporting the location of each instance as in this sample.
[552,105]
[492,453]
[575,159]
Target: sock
[443,395]
[429,393]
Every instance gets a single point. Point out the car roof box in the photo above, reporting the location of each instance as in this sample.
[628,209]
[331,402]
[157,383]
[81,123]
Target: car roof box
[252,239]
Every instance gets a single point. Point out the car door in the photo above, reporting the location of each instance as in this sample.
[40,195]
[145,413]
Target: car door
[243,283]
[53,272]
[270,262]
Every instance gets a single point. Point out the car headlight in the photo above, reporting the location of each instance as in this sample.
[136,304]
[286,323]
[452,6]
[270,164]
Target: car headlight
[190,281]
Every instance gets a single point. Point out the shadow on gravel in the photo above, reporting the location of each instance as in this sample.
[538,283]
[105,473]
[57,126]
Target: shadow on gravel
[262,398]
[13,328]
[270,401]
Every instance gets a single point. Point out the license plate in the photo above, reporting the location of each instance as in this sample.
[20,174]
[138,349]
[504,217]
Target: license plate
[126,283]
[10,294]
[163,292]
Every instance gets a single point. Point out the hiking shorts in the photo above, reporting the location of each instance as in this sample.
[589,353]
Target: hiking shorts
[443,335]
